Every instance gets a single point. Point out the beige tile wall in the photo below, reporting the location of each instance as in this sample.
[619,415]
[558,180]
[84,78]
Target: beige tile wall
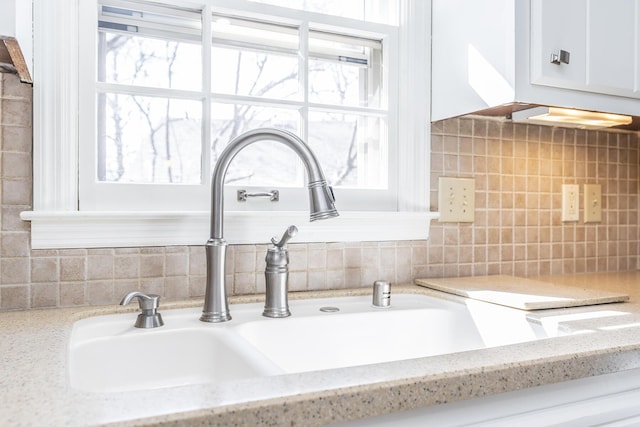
[518,172]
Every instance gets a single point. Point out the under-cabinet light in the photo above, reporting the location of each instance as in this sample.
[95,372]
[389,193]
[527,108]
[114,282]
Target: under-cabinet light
[568,117]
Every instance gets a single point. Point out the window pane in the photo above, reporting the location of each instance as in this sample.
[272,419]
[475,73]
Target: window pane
[240,72]
[149,140]
[264,163]
[382,11]
[255,59]
[351,148]
[344,70]
[149,62]
[149,45]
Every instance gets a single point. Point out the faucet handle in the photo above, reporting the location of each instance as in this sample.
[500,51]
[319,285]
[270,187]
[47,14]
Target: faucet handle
[149,318]
[291,231]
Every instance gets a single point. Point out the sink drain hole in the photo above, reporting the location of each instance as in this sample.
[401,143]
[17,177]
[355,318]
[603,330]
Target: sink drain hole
[329,309]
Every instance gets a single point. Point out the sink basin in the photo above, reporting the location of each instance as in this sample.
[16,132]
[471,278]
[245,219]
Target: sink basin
[108,354]
[358,334]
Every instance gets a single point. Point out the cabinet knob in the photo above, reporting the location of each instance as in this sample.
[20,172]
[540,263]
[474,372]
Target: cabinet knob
[561,57]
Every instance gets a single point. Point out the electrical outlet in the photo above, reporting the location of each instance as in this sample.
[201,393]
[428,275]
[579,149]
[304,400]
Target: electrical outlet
[570,202]
[456,199]
[592,203]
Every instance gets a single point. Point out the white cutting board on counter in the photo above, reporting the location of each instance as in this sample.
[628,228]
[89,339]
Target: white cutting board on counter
[521,293]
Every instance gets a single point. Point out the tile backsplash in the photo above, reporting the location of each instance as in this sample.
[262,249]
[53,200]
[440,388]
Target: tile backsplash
[518,169]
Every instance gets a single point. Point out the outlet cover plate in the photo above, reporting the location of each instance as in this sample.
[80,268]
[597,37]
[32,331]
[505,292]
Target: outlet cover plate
[456,199]
[570,202]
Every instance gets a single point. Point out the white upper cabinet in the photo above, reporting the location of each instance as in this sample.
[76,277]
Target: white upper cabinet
[494,53]
[598,40]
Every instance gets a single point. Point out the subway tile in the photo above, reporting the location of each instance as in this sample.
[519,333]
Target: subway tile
[335,279]
[16,112]
[14,244]
[10,219]
[126,266]
[100,292]
[176,264]
[11,87]
[298,281]
[317,280]
[317,258]
[16,192]
[14,297]
[72,269]
[197,286]
[197,261]
[352,277]
[100,266]
[72,294]
[14,271]
[335,259]
[245,261]
[152,266]
[176,287]
[16,166]
[244,283]
[44,295]
[44,270]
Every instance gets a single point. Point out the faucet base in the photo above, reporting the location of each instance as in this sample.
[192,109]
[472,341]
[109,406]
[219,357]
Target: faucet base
[276,312]
[215,317]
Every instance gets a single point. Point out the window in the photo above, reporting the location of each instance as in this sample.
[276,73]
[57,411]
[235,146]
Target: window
[170,98]
[100,180]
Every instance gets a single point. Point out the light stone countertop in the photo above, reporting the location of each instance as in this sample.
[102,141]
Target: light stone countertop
[34,388]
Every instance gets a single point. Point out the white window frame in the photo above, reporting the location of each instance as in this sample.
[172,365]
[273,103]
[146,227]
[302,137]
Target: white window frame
[56,221]
[107,195]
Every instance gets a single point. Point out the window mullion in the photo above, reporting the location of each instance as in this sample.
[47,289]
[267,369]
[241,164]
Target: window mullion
[132,90]
[304,82]
[254,100]
[206,95]
[304,79]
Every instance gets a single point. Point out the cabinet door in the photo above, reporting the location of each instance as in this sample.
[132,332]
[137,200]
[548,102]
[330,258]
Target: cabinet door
[559,26]
[612,43]
[601,37]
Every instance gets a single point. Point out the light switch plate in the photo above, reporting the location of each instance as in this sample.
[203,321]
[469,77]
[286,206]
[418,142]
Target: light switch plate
[592,203]
[570,202]
[456,199]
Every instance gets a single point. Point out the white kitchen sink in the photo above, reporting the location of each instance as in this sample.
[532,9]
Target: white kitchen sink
[108,354]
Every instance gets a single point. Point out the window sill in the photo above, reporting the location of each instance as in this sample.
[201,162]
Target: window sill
[57,230]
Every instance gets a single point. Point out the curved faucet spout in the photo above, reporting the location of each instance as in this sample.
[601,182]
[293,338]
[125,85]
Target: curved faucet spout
[321,206]
[320,194]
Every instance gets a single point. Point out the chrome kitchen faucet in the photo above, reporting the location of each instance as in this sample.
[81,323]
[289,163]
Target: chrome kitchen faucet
[321,206]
